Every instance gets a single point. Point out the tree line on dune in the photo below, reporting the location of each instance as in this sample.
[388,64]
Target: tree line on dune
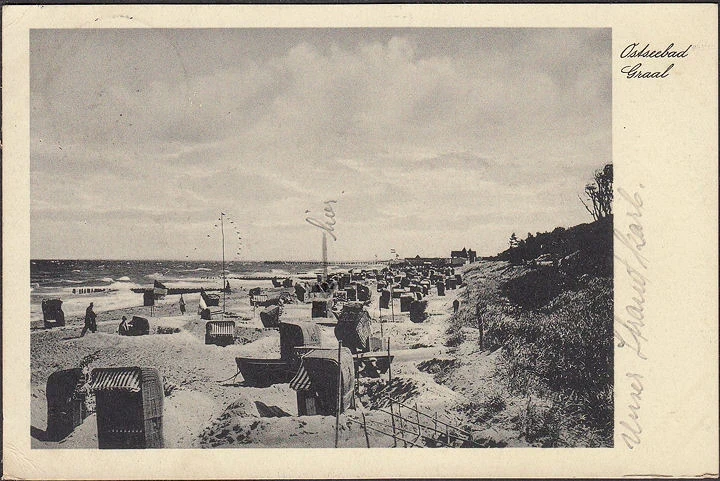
[578,250]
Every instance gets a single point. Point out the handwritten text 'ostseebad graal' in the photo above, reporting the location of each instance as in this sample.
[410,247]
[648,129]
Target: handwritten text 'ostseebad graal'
[638,71]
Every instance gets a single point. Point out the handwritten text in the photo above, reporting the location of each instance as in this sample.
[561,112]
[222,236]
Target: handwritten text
[629,324]
[638,71]
[628,331]
[327,224]
[631,424]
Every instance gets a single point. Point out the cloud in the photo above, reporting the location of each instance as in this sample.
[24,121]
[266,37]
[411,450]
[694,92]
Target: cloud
[166,125]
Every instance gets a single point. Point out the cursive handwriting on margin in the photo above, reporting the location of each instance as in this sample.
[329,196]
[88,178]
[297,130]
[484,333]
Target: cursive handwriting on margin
[630,323]
[638,71]
[628,329]
[326,225]
[631,425]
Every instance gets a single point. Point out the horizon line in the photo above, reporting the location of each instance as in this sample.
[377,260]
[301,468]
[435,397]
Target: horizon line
[313,261]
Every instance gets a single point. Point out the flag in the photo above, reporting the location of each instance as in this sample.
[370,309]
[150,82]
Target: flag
[159,290]
[301,381]
[203,304]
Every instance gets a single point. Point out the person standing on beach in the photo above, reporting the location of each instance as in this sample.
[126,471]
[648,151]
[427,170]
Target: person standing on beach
[456,305]
[480,313]
[182,305]
[89,320]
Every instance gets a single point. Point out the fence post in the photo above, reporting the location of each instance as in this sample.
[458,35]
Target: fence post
[417,418]
[389,365]
[339,394]
[402,425]
[479,312]
[367,439]
[392,417]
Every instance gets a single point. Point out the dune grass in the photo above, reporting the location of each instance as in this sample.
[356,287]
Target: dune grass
[557,349]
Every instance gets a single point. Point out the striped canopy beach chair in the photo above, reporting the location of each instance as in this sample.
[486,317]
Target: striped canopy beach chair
[316,382]
[129,406]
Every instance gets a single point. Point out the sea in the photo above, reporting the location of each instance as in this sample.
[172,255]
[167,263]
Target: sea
[109,283]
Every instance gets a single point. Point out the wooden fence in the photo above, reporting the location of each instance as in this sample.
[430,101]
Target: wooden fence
[408,426]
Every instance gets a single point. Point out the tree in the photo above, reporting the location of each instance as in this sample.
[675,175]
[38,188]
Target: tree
[513,241]
[600,193]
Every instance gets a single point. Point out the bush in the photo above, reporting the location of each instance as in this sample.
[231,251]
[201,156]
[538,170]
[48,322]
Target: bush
[167,330]
[538,287]
[455,337]
[542,424]
[494,403]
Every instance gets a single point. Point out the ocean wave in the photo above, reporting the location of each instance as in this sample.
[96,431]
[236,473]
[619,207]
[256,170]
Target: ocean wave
[198,269]
[107,279]
[123,279]
[155,275]
[120,286]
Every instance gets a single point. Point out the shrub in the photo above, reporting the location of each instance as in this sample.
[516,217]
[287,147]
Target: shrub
[542,423]
[494,403]
[455,337]
[167,330]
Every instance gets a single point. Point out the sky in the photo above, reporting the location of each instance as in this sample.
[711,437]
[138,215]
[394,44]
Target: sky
[429,140]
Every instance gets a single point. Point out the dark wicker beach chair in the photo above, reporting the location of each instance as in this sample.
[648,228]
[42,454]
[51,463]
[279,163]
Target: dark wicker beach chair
[270,316]
[353,327]
[405,303]
[53,315]
[322,308]
[65,403]
[129,405]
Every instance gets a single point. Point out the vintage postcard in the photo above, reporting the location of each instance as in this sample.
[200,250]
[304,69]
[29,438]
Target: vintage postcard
[360,241]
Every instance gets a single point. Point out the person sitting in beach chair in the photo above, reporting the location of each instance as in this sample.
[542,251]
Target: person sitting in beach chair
[123,328]
[90,323]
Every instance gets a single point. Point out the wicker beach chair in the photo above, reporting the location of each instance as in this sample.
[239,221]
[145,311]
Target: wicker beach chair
[353,327]
[317,380]
[220,333]
[65,403]
[129,405]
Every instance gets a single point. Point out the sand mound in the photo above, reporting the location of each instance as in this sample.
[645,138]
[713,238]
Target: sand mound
[284,432]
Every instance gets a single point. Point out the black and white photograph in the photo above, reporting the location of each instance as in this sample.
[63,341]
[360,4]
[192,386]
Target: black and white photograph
[321,238]
[368,241]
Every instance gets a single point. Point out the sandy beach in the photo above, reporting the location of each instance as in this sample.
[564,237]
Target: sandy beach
[204,398]
[486,395]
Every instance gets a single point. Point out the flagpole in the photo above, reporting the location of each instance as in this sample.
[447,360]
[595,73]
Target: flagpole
[392,292]
[324,255]
[222,231]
